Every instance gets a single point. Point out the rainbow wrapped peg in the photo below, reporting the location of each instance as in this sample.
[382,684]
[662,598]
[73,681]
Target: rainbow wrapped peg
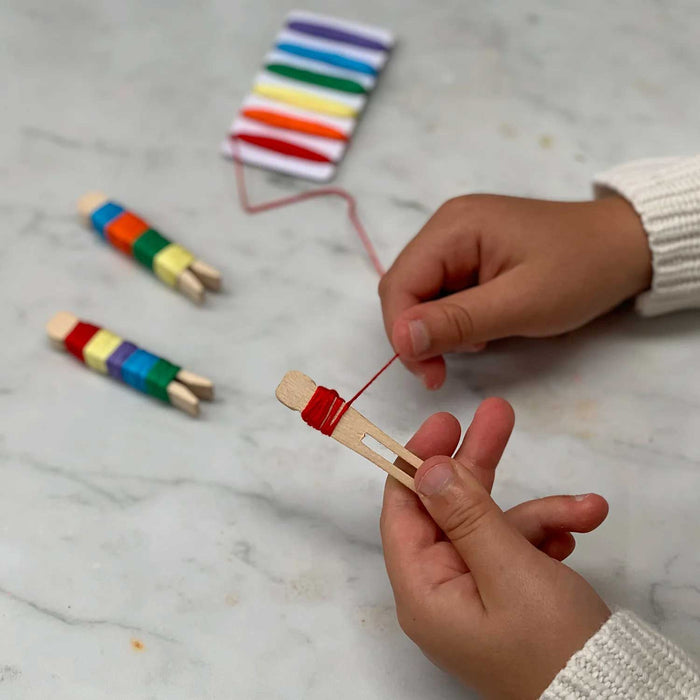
[108,354]
[171,262]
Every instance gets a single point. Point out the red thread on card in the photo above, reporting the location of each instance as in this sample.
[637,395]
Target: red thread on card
[283,147]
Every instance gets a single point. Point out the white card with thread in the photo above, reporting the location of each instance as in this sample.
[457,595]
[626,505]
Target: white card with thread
[307,99]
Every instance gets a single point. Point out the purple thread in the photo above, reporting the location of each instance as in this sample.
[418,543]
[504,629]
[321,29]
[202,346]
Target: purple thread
[118,358]
[325,32]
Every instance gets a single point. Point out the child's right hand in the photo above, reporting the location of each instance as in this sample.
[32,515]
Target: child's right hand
[487,267]
[481,591]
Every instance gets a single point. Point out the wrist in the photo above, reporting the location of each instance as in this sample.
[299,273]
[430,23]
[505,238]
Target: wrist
[628,241]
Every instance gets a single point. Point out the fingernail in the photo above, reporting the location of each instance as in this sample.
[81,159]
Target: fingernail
[429,384]
[581,496]
[476,348]
[420,339]
[437,479]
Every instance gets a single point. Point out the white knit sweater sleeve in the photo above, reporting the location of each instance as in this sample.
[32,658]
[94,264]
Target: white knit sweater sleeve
[665,192]
[626,660]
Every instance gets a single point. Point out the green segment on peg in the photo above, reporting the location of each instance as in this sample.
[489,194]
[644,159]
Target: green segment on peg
[158,378]
[147,246]
[307,76]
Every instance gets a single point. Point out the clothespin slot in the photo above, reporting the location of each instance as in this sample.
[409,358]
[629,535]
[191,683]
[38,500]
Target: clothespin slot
[295,391]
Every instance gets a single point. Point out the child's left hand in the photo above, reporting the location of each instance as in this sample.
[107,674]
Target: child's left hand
[480,591]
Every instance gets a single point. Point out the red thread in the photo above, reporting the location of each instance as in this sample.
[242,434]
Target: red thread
[283,147]
[326,408]
[79,337]
[301,197]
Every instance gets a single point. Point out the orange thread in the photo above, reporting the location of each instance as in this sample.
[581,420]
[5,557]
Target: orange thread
[284,121]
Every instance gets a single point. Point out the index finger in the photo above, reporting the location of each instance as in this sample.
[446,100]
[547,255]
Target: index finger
[443,256]
[406,527]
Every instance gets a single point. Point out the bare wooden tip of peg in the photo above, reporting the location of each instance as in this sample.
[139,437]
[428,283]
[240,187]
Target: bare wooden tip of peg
[199,386]
[209,276]
[295,390]
[188,283]
[181,397]
[89,202]
[59,327]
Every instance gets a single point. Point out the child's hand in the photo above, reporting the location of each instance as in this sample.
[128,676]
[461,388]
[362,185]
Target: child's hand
[486,267]
[483,600]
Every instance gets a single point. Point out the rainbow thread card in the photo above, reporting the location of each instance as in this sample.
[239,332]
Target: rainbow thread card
[306,101]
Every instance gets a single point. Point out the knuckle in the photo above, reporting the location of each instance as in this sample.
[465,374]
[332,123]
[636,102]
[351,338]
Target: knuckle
[453,205]
[465,517]
[409,617]
[459,322]
[405,620]
[384,284]
[464,205]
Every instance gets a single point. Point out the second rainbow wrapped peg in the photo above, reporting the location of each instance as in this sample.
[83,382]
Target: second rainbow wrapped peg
[171,262]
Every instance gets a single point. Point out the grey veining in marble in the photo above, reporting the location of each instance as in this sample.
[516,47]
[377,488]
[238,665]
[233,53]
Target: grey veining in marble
[242,550]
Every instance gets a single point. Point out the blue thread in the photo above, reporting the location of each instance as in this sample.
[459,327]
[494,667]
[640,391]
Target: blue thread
[104,215]
[136,368]
[334,59]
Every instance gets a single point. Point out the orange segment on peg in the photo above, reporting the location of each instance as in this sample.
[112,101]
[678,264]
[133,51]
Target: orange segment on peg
[130,234]
[124,230]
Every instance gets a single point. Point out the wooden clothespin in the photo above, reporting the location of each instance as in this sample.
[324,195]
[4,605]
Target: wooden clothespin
[295,391]
[109,354]
[171,263]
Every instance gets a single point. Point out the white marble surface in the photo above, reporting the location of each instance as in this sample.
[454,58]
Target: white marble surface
[242,549]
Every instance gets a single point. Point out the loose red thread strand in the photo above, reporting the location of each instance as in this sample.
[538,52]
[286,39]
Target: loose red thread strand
[325,407]
[302,197]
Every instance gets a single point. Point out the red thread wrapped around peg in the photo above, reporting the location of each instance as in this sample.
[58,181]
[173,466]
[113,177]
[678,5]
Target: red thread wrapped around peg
[326,408]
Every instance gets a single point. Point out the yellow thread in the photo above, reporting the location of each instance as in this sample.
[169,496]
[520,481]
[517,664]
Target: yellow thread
[99,348]
[171,262]
[305,100]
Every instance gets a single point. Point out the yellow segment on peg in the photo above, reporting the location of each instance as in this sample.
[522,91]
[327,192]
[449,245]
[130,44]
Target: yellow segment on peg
[305,100]
[99,348]
[171,262]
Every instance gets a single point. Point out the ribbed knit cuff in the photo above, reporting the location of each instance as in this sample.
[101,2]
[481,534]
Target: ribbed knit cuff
[626,660]
[665,192]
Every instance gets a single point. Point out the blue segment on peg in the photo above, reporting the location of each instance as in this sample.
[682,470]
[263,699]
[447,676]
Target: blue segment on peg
[103,215]
[136,368]
[333,59]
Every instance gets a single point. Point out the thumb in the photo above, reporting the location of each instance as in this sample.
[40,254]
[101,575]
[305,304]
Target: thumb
[490,546]
[461,322]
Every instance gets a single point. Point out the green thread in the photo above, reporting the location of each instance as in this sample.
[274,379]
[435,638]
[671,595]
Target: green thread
[147,246]
[307,76]
[158,378]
